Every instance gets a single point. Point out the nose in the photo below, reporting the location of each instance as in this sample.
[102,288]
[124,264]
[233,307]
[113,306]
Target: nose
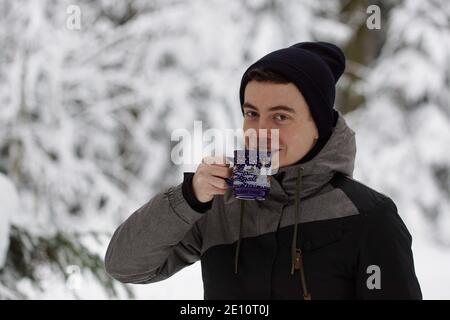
[264,127]
[267,135]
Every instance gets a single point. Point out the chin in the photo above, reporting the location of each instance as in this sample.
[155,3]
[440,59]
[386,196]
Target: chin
[281,159]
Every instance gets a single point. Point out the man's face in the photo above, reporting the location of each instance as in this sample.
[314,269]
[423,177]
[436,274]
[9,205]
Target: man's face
[280,106]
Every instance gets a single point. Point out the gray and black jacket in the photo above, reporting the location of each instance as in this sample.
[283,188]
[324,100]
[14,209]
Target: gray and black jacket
[320,234]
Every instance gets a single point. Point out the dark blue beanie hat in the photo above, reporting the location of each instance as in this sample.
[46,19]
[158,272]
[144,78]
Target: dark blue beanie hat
[314,67]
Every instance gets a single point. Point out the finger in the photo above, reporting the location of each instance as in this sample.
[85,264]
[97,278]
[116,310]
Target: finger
[216,190]
[217,160]
[217,182]
[218,171]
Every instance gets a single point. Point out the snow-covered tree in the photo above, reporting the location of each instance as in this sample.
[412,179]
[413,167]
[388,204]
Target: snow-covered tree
[86,116]
[8,206]
[87,113]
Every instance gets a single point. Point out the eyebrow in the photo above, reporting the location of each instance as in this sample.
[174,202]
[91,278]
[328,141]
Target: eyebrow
[275,108]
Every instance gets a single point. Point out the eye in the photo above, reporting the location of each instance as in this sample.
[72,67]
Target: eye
[250,114]
[281,117]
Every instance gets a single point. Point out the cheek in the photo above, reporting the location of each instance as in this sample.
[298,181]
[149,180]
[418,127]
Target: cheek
[292,142]
[282,141]
[288,138]
[248,125]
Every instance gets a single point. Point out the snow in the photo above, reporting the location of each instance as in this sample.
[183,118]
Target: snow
[432,264]
[86,118]
[9,205]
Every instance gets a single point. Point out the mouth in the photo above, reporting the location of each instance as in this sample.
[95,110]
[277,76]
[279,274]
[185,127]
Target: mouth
[271,150]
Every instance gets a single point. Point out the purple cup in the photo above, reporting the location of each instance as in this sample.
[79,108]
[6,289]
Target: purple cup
[251,174]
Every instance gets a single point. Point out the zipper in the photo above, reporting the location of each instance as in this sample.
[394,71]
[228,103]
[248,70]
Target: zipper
[298,265]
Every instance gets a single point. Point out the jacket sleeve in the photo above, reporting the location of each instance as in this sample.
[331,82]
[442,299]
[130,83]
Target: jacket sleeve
[385,266]
[156,241]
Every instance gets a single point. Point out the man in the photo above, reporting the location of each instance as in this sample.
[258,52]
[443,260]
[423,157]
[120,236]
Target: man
[319,234]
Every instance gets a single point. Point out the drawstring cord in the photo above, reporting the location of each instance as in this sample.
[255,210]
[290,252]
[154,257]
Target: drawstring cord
[296,218]
[238,248]
[296,253]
